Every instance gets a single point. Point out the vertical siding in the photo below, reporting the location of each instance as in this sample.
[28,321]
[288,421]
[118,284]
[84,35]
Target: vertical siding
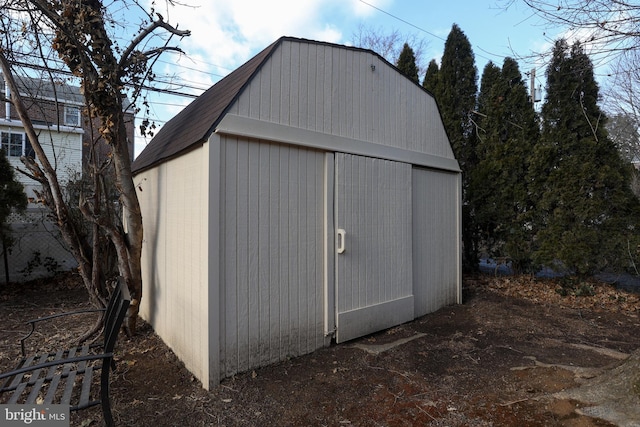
[373,206]
[272,258]
[333,90]
[175,294]
[436,239]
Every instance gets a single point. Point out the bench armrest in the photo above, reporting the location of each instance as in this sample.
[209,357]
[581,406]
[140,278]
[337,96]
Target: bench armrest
[58,362]
[33,322]
[66,313]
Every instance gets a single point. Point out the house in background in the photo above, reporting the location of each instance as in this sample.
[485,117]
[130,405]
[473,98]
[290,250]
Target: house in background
[56,110]
[310,196]
[56,113]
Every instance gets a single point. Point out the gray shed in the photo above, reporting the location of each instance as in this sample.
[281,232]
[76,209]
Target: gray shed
[311,195]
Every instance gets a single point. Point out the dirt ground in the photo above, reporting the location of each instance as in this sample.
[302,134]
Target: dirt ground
[502,358]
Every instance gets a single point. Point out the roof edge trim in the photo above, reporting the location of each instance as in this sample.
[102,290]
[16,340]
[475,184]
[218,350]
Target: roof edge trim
[269,131]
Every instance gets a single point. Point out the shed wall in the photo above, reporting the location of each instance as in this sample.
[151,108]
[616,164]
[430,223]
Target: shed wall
[347,93]
[436,237]
[272,261]
[174,262]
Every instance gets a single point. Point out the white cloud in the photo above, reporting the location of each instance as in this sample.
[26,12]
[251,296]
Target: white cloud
[228,33]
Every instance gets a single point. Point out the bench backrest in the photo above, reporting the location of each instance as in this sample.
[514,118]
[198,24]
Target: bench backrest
[115,314]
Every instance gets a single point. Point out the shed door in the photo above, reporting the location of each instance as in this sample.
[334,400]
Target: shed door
[373,245]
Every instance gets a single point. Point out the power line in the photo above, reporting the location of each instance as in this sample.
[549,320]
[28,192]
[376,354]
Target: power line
[425,31]
[196,69]
[153,117]
[145,87]
[402,20]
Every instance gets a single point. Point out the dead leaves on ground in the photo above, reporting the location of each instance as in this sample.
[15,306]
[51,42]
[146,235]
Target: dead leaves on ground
[587,294]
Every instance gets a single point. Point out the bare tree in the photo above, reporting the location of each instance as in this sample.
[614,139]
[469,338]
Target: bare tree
[609,30]
[610,26]
[390,44]
[37,35]
[623,90]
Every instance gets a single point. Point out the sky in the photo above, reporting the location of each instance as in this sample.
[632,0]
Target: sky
[225,34]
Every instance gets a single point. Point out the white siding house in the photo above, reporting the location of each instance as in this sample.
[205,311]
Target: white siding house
[311,195]
[55,113]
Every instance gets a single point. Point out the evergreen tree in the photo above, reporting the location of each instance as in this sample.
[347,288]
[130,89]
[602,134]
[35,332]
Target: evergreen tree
[498,184]
[481,184]
[490,76]
[586,216]
[456,95]
[12,197]
[431,77]
[407,63]
[12,194]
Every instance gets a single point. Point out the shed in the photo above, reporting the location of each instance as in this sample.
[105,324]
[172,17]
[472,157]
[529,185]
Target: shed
[311,195]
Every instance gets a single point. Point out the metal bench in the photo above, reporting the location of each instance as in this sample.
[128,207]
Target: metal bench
[69,376]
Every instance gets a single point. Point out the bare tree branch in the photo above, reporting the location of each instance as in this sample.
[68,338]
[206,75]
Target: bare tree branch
[126,60]
[78,32]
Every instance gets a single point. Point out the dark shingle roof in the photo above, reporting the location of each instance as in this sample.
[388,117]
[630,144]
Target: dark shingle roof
[44,88]
[195,123]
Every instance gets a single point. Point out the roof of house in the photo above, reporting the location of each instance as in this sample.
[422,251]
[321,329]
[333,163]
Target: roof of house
[195,123]
[60,89]
[41,88]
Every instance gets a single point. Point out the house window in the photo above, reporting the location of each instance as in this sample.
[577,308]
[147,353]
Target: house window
[15,144]
[71,116]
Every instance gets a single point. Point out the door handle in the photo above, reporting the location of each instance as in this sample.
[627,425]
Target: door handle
[340,240]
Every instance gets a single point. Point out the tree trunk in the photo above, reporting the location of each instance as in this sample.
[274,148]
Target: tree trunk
[133,236]
[47,176]
[81,38]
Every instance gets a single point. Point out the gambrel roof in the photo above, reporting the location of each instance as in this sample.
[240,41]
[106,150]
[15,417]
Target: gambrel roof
[194,125]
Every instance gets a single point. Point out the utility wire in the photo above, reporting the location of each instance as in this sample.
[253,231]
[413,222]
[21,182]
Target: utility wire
[146,87]
[402,20]
[425,31]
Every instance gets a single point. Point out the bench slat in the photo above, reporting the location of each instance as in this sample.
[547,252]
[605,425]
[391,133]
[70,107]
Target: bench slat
[36,373]
[82,365]
[35,392]
[67,367]
[18,378]
[17,393]
[52,370]
[85,393]
[51,393]
[68,389]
